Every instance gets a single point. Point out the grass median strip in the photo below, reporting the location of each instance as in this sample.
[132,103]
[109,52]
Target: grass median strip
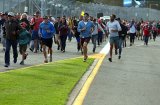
[48,84]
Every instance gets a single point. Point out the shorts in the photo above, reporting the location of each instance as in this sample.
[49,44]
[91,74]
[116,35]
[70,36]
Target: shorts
[114,40]
[35,35]
[85,40]
[22,48]
[48,42]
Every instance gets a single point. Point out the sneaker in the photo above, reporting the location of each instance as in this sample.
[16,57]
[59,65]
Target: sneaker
[119,57]
[94,50]
[35,51]
[45,61]
[116,52]
[110,59]
[31,49]
[6,65]
[50,60]
[58,48]
[41,50]
[15,60]
[21,63]
[25,56]
[85,59]
[48,55]
[63,51]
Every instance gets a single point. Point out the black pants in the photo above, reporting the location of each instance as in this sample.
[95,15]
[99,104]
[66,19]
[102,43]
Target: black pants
[63,39]
[10,43]
[132,37]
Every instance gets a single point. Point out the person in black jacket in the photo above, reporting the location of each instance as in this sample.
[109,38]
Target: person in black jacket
[122,35]
[57,36]
[11,28]
[76,33]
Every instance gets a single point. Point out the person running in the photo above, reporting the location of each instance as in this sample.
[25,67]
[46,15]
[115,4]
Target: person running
[23,39]
[3,37]
[146,34]
[11,29]
[47,31]
[114,27]
[122,35]
[97,27]
[154,32]
[57,36]
[35,22]
[76,33]
[132,31]
[85,27]
[23,18]
[63,31]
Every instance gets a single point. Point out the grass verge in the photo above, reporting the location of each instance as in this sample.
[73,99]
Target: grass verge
[48,84]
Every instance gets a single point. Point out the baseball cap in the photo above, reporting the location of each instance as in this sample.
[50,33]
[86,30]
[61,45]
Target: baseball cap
[11,14]
[45,17]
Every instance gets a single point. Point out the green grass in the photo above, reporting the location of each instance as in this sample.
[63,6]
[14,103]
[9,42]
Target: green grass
[48,84]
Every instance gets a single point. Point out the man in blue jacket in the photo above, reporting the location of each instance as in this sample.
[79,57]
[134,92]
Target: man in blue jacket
[85,27]
[47,31]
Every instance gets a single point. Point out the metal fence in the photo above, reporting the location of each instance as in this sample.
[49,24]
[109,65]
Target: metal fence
[72,8]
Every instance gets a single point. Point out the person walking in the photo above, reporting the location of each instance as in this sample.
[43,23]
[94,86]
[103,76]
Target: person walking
[85,27]
[114,27]
[11,28]
[47,31]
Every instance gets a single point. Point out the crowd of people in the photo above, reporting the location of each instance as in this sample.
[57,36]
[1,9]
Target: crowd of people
[38,33]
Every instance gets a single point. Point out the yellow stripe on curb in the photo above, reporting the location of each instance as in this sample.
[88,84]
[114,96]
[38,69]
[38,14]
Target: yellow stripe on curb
[80,98]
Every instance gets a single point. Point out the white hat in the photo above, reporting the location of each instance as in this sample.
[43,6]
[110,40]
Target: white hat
[11,14]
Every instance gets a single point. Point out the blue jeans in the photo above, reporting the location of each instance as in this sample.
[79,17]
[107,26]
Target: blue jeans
[94,39]
[10,43]
[146,39]
[100,37]
[120,45]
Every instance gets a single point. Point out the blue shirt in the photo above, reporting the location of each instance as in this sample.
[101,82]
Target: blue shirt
[47,30]
[87,33]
